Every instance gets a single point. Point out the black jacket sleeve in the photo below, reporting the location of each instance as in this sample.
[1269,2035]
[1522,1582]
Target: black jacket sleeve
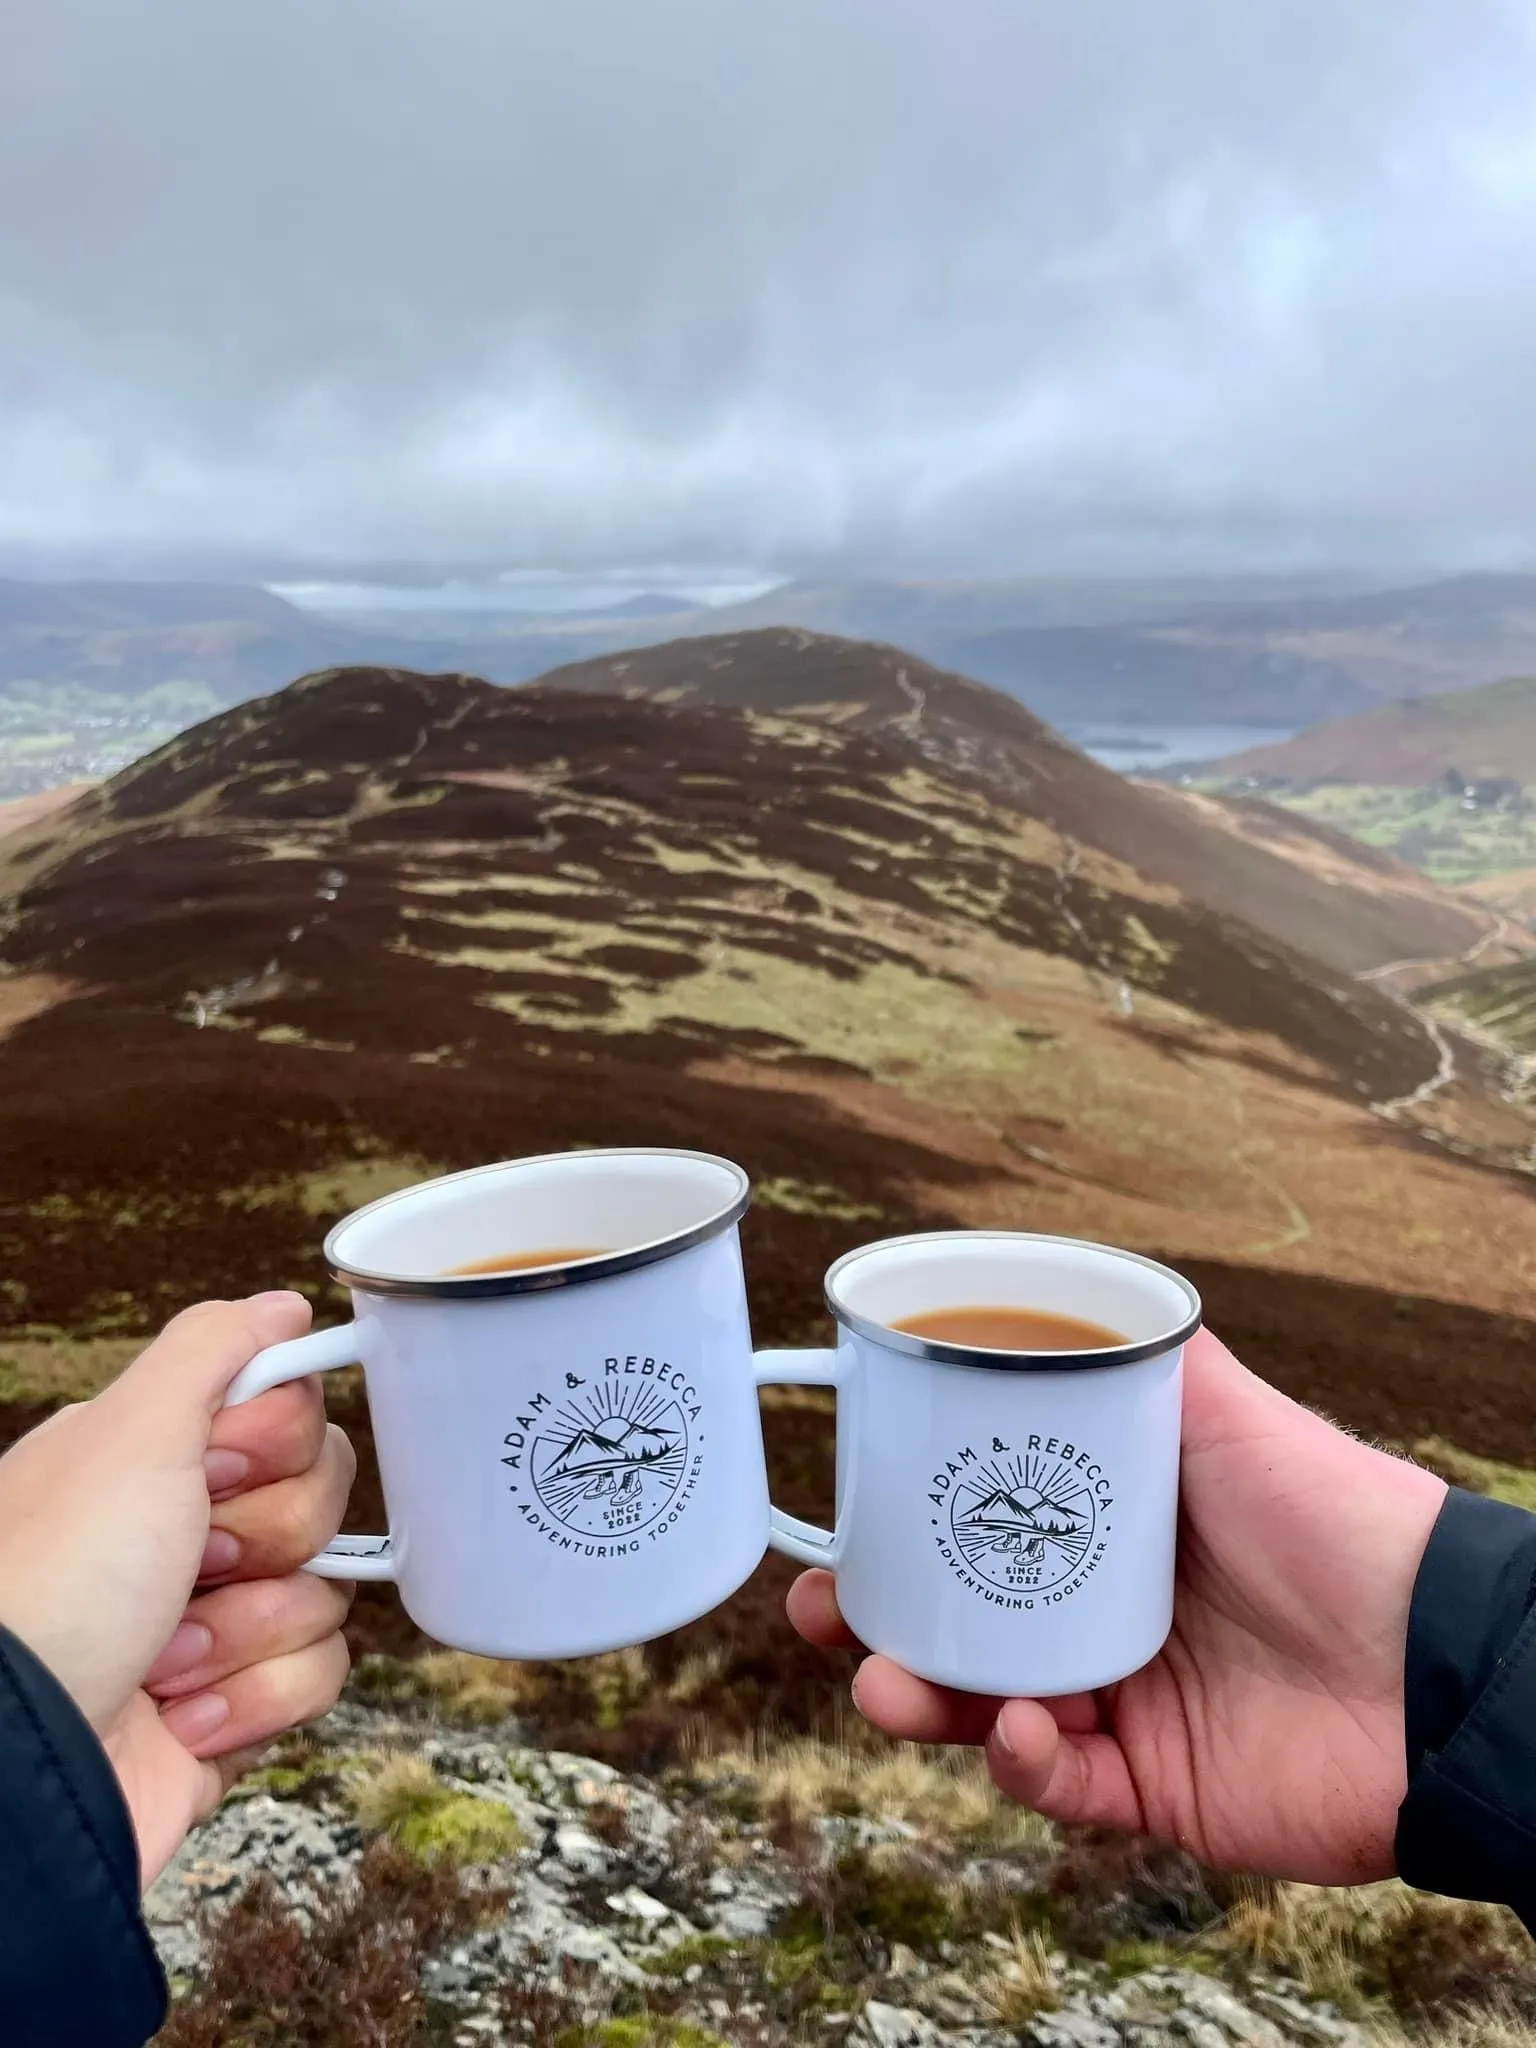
[77,1967]
[1468,1823]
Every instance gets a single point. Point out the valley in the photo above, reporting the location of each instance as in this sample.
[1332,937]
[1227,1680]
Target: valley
[1446,783]
[912,955]
[872,929]
[93,672]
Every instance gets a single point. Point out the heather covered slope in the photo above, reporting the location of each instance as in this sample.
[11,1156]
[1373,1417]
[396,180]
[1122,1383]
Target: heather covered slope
[1353,913]
[385,922]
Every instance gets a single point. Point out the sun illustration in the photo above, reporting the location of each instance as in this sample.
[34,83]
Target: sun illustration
[1023,1522]
[611,1461]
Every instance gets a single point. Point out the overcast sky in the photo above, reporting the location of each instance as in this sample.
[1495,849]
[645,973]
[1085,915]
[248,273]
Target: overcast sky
[977,286]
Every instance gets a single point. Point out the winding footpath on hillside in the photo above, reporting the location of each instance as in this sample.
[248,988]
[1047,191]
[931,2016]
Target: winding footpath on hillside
[1445,1073]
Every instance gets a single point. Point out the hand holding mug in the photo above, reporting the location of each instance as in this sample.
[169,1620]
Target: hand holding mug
[1267,1735]
[149,1554]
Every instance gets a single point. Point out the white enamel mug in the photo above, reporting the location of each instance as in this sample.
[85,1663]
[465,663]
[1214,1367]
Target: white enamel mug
[571,1456]
[1005,1520]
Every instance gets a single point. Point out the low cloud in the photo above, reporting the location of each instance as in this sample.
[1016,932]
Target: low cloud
[852,283]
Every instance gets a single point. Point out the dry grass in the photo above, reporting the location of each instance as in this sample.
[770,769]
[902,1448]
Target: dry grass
[476,1690]
[1024,1982]
[61,1369]
[944,1793]
[1317,1934]
[404,1801]
[1492,2028]
[1429,1957]
[398,1787]
[601,1691]
[1513,1483]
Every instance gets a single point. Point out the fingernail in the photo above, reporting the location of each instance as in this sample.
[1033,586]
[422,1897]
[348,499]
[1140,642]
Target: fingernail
[184,1652]
[225,1470]
[194,1720]
[278,1297]
[1000,1736]
[221,1553]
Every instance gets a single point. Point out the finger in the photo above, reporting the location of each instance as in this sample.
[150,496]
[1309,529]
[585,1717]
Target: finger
[1077,1779]
[245,1624]
[812,1608]
[276,1436]
[915,1711]
[177,1385]
[217,1775]
[270,1533]
[227,1771]
[1075,1713]
[253,1705]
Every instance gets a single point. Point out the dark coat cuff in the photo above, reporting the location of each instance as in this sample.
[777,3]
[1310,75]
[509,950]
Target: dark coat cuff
[77,1967]
[1467,1826]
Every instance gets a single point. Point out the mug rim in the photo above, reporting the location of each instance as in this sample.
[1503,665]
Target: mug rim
[537,1279]
[976,1356]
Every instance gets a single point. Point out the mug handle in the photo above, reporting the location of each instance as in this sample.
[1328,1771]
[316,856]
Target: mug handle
[349,1557]
[797,1539]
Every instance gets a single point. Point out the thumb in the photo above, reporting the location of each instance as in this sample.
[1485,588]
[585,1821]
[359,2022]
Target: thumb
[1079,1777]
[177,1386]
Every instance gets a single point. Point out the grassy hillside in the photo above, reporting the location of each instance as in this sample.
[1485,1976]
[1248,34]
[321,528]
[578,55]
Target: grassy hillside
[1343,905]
[1478,735]
[1447,784]
[870,930]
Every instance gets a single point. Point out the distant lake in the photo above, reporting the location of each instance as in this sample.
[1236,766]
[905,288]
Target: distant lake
[1137,749]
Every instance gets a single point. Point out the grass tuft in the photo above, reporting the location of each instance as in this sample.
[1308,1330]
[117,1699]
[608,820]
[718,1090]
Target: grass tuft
[404,1801]
[1024,1982]
[944,1793]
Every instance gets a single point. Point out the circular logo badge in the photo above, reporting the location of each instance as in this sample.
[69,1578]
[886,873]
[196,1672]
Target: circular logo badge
[1023,1523]
[611,1461]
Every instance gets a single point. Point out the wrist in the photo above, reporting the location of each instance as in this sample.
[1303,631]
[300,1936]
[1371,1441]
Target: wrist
[1467,1825]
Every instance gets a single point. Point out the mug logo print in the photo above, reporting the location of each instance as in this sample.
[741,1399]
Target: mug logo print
[612,1460]
[1023,1521]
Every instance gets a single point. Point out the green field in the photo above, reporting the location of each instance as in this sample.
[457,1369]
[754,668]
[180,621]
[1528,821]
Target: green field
[53,733]
[1445,836]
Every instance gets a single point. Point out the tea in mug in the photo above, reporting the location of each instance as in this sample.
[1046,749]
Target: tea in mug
[1010,1329]
[522,1262]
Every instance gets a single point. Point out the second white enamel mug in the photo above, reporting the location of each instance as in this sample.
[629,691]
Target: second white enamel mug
[1005,1520]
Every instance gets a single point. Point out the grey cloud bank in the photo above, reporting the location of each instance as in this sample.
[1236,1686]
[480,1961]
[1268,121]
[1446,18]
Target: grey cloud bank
[979,287]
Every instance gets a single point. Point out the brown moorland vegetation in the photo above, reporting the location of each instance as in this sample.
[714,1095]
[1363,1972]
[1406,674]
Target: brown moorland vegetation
[388,924]
[1335,899]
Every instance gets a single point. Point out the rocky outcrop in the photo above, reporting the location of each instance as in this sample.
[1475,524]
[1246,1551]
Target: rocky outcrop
[607,1912]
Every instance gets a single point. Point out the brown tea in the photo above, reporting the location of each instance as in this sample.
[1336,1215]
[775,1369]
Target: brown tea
[1010,1329]
[519,1262]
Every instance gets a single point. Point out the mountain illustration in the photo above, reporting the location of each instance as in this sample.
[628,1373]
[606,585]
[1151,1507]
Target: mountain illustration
[1026,1509]
[609,1444]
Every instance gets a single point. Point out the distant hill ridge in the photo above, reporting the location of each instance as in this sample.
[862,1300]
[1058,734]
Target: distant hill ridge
[1349,906]
[1161,651]
[1486,733]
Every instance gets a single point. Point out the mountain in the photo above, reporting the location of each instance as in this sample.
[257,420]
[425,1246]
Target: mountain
[1003,1509]
[646,604]
[914,610]
[621,1443]
[1183,651]
[1287,661]
[1167,651]
[125,639]
[383,924]
[1485,734]
[1321,892]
